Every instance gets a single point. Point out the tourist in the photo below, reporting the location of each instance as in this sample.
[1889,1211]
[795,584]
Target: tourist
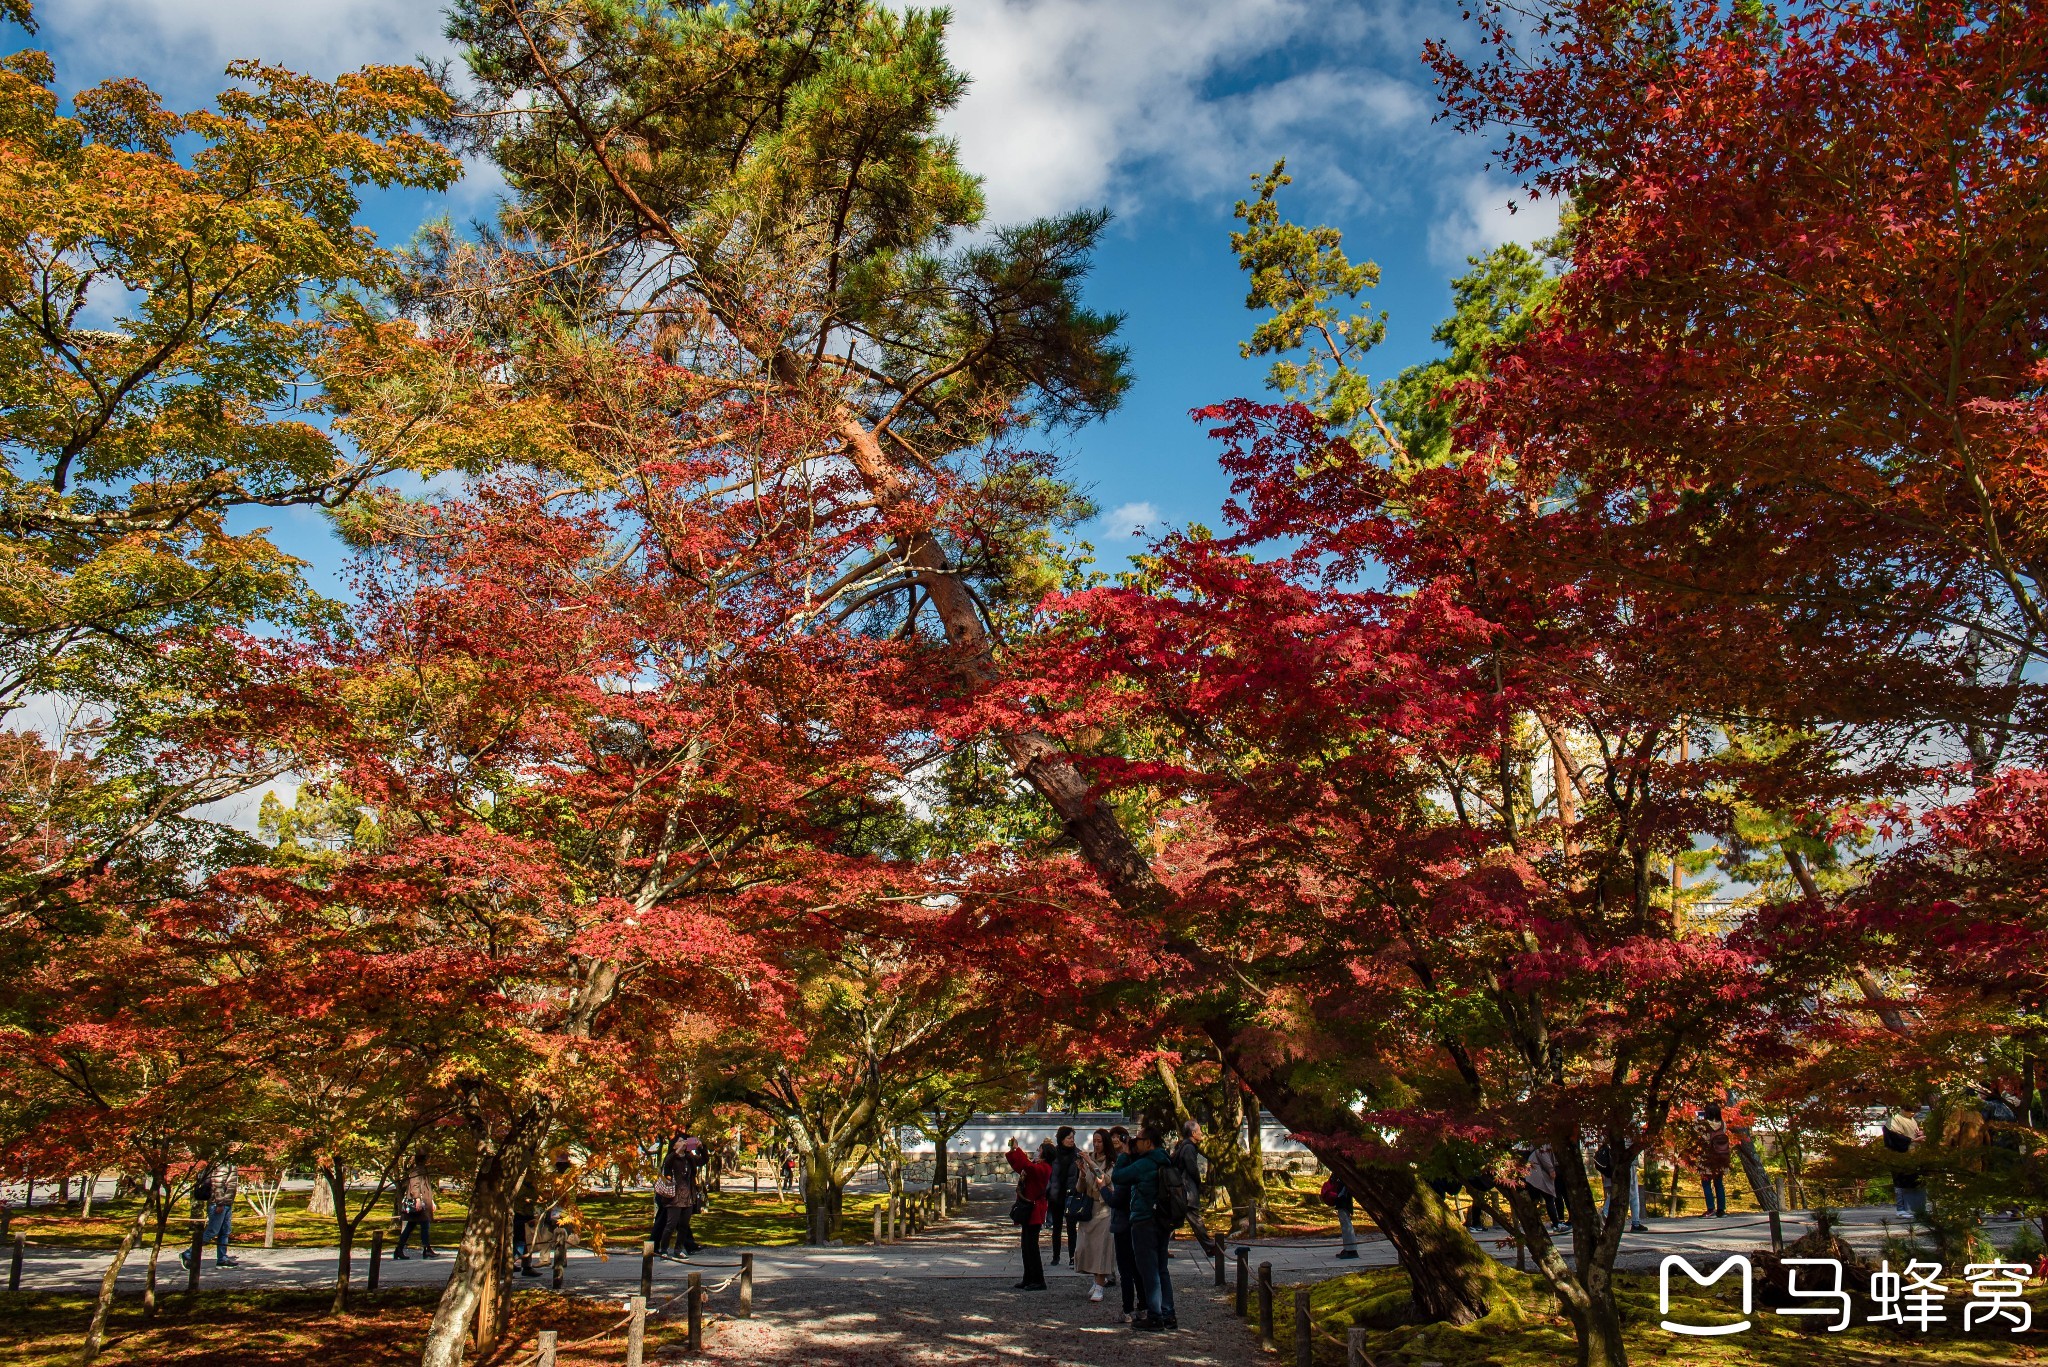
[1065,1181]
[1338,1197]
[1118,1194]
[1540,1176]
[676,1199]
[1144,1169]
[1034,1181]
[416,1208]
[1901,1134]
[1094,1244]
[214,1193]
[1714,1154]
[1188,1160]
[1620,1195]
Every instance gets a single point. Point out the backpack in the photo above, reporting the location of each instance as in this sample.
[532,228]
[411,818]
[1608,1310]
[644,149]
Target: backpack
[1170,1196]
[1331,1192]
[1717,1145]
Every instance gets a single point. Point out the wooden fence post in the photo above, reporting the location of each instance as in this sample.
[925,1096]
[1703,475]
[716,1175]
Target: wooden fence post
[1304,1330]
[1244,1281]
[646,1268]
[696,1312]
[547,1348]
[1777,1233]
[198,1257]
[1219,1262]
[746,1286]
[878,1224]
[14,1263]
[1354,1349]
[561,1264]
[376,1256]
[1266,1308]
[636,1332]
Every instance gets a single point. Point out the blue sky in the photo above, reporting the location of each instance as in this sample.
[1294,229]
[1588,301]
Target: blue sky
[1160,109]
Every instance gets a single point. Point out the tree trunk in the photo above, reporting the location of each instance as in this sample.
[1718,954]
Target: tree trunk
[1586,1295]
[1759,1177]
[1255,1138]
[480,1257]
[156,1248]
[1597,1324]
[338,1180]
[824,1197]
[96,1334]
[1449,1276]
[1230,1162]
[92,1181]
[1240,1174]
[319,1201]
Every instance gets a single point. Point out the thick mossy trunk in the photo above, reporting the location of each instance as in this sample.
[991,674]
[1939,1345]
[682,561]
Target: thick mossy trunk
[1239,1169]
[1449,1276]
[824,1197]
[1597,1323]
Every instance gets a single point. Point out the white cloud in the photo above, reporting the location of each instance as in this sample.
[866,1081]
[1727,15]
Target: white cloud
[1071,97]
[1128,521]
[1481,213]
[181,46]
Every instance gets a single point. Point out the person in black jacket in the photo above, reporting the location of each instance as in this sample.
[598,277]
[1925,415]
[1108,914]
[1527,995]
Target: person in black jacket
[1064,1183]
[679,1172]
[1118,1195]
[1188,1160]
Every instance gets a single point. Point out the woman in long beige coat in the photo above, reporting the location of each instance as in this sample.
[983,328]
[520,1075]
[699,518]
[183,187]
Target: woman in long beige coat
[1094,1245]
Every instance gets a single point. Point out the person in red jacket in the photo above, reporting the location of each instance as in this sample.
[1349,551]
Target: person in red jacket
[1034,1181]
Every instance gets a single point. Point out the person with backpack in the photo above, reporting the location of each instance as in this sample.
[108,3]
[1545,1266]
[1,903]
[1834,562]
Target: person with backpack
[1335,1194]
[1716,1152]
[1158,1205]
[214,1193]
[1189,1162]
[1028,1211]
[1900,1134]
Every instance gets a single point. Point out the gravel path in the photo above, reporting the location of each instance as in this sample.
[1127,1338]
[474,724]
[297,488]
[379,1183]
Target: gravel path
[976,1318]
